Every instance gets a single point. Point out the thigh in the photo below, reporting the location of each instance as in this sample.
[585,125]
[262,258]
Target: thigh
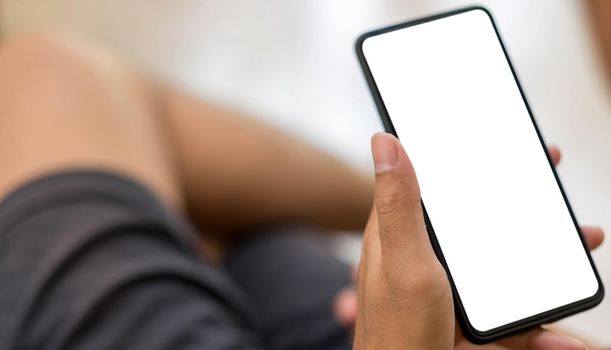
[292,281]
[67,104]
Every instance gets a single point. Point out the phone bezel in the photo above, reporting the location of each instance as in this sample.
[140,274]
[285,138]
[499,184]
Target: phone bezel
[469,331]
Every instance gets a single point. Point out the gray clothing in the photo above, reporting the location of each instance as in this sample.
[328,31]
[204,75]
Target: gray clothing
[92,260]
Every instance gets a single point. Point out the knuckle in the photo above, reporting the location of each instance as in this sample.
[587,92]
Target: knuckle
[388,202]
[396,194]
[421,279]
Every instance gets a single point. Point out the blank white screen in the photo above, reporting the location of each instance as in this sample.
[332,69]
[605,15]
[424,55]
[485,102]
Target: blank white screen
[498,214]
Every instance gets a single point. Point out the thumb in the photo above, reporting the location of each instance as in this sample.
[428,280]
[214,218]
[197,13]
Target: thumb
[397,201]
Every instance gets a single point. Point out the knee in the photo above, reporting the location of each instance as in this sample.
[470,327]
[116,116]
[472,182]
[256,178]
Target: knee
[36,58]
[65,66]
[32,43]
[33,54]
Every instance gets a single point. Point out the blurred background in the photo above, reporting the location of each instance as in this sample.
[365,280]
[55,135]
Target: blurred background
[292,64]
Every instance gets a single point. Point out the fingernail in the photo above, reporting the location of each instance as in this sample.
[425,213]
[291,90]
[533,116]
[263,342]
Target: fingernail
[384,152]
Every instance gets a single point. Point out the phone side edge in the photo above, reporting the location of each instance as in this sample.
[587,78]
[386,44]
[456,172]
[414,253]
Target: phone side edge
[373,88]
[479,337]
[596,298]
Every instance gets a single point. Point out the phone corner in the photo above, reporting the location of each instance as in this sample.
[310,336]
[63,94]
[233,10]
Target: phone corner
[359,42]
[480,7]
[598,297]
[471,334]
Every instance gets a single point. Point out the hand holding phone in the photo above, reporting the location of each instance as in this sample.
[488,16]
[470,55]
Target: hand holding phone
[495,211]
[405,302]
[404,297]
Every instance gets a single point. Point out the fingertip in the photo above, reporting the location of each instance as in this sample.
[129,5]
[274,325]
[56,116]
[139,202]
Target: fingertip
[345,307]
[396,184]
[397,196]
[554,153]
[593,235]
[384,151]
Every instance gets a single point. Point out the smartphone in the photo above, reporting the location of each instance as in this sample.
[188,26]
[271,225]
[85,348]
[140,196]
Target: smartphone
[497,216]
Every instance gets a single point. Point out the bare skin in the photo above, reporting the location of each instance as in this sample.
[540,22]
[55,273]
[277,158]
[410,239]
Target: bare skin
[237,172]
[404,298]
[600,23]
[61,110]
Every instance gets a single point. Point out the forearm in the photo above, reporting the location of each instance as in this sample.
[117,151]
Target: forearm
[238,172]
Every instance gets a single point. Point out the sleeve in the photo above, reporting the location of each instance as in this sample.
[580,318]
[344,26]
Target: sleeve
[91,260]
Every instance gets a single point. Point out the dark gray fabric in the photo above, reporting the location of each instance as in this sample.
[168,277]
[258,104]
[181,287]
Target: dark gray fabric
[90,260]
[292,280]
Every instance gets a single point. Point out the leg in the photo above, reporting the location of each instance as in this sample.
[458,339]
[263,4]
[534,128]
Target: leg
[62,106]
[67,104]
[239,173]
[101,272]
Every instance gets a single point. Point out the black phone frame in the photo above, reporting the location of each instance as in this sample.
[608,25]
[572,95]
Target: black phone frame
[472,334]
